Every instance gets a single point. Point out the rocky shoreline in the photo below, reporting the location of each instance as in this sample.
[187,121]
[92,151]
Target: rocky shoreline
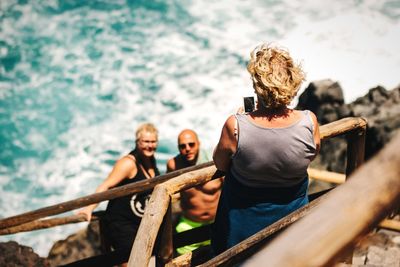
[379,106]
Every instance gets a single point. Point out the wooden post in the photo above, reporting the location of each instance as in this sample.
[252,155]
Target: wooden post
[156,209]
[147,233]
[165,249]
[348,212]
[355,149]
[355,157]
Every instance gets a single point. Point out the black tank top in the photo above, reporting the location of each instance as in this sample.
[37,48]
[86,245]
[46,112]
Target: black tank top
[130,207]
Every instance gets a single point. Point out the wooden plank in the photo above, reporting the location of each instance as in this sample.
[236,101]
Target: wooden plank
[348,212]
[341,127]
[155,211]
[46,223]
[390,224]
[95,198]
[147,233]
[355,157]
[191,179]
[326,176]
[165,249]
[181,261]
[355,150]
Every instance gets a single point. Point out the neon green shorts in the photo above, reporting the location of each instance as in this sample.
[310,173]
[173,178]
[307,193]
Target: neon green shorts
[185,224]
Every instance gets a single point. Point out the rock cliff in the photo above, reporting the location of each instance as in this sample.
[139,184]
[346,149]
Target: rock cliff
[379,106]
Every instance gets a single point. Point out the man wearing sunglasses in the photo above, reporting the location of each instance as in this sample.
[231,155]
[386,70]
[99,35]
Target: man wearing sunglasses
[198,204]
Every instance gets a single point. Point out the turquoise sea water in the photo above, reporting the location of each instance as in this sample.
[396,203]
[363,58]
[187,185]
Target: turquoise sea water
[77,77]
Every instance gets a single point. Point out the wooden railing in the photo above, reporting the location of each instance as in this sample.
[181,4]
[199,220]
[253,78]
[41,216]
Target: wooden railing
[121,191]
[167,185]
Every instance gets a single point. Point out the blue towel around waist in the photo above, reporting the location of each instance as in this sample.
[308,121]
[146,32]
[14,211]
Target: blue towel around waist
[243,210]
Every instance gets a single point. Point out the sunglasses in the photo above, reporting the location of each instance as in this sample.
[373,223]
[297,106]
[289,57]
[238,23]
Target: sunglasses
[183,146]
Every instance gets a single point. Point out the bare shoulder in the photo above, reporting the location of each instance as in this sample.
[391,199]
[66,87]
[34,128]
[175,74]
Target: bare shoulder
[230,123]
[313,116]
[314,119]
[125,167]
[229,127]
[126,163]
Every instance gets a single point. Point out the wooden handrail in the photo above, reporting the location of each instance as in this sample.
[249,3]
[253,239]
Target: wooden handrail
[320,175]
[335,225]
[48,223]
[342,126]
[326,176]
[94,198]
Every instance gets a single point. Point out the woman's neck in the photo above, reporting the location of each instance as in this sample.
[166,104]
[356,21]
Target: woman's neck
[272,113]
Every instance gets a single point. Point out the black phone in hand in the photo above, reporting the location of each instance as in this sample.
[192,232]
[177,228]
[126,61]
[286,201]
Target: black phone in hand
[248,103]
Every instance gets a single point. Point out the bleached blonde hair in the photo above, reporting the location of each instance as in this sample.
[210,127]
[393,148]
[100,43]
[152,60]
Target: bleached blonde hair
[146,127]
[276,77]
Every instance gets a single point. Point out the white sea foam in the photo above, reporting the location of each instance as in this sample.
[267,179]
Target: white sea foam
[197,74]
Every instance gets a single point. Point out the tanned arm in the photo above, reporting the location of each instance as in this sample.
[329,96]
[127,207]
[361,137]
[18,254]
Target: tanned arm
[226,146]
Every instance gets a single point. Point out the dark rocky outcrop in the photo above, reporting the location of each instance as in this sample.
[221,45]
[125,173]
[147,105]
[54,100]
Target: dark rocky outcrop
[83,244]
[379,106]
[13,254]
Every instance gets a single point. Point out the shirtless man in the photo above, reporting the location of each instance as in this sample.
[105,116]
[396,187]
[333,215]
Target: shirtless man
[199,204]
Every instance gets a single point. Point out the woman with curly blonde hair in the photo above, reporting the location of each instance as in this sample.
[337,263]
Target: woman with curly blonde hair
[265,153]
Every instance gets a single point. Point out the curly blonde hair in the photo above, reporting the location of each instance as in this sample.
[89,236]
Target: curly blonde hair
[276,78]
[146,127]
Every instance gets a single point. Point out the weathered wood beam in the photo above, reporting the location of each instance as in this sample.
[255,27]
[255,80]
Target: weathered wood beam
[326,176]
[390,224]
[148,229]
[165,249]
[341,127]
[48,223]
[181,261]
[95,198]
[320,175]
[347,213]
[43,224]
[355,149]
[157,208]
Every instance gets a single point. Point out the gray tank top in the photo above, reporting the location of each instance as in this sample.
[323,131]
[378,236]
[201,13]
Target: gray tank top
[273,157]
